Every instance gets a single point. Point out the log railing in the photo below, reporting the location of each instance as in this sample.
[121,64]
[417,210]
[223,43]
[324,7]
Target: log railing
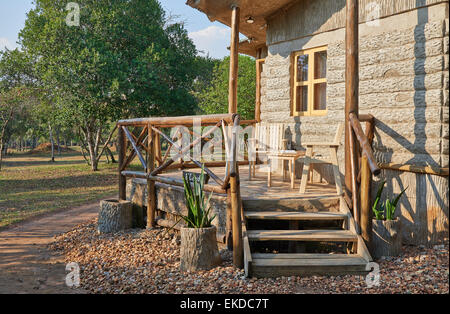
[363,166]
[148,144]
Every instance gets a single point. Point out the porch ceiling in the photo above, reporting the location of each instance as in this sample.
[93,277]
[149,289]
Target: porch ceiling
[259,10]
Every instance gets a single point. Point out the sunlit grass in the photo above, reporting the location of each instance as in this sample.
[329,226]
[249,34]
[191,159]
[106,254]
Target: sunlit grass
[31,185]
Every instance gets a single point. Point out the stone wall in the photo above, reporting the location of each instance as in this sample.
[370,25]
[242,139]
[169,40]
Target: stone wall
[404,77]
[170,201]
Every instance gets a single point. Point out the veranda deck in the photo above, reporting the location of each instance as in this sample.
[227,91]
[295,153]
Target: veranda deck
[257,189]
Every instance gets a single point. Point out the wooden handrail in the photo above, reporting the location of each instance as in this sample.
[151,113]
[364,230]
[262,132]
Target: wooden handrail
[135,147]
[170,181]
[364,143]
[175,121]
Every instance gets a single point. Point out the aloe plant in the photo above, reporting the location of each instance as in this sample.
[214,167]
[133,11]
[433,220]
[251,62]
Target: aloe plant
[387,209]
[198,205]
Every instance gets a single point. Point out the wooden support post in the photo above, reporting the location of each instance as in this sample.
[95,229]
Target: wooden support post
[234,59]
[351,85]
[366,217]
[158,149]
[122,155]
[238,257]
[151,190]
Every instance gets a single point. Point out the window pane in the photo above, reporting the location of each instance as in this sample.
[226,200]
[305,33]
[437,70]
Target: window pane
[302,68]
[320,96]
[320,65]
[302,98]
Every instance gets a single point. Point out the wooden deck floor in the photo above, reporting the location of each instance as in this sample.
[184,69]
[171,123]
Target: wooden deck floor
[257,188]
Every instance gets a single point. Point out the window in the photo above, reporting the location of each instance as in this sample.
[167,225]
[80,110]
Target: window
[310,82]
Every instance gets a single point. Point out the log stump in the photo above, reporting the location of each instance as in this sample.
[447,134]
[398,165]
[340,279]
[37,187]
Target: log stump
[199,249]
[386,238]
[114,216]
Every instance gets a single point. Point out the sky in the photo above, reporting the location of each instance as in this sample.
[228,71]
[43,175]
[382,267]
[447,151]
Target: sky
[210,38]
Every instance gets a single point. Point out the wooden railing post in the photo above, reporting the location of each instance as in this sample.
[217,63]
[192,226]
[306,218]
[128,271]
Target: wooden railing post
[351,88]
[238,250]
[151,190]
[366,215]
[122,151]
[234,60]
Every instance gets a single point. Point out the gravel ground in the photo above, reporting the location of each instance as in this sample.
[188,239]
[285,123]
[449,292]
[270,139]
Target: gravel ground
[144,261]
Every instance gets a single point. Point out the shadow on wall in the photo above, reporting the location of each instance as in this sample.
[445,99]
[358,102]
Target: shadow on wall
[422,226]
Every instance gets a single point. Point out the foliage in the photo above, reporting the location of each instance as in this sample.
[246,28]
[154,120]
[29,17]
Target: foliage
[198,206]
[386,210]
[123,61]
[214,98]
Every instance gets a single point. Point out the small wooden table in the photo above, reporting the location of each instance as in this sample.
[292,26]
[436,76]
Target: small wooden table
[285,155]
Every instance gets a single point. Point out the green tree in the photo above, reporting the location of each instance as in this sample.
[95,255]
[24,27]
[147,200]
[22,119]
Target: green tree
[124,60]
[16,79]
[214,98]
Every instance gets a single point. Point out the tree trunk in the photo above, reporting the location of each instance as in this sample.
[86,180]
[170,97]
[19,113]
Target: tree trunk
[199,249]
[114,216]
[52,142]
[108,151]
[1,153]
[58,142]
[92,138]
[386,238]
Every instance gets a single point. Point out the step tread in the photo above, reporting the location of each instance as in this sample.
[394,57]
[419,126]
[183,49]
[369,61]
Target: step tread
[320,262]
[303,256]
[276,215]
[303,235]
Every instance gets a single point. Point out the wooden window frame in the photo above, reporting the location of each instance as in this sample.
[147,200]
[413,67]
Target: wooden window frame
[309,83]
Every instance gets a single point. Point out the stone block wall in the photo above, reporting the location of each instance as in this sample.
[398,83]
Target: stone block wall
[404,83]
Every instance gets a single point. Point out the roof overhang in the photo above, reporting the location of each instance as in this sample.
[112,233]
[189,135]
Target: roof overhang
[260,12]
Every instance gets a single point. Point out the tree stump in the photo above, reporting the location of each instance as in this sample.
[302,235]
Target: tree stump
[386,238]
[114,216]
[199,249]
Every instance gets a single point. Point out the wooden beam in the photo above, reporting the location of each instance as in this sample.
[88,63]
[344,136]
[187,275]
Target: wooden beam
[122,151]
[366,212]
[351,85]
[167,122]
[151,190]
[364,143]
[234,60]
[444,172]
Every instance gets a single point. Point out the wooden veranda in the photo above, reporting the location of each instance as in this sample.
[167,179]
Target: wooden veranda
[273,204]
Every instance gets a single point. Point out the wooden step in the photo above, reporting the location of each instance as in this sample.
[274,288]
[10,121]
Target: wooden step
[302,235]
[274,265]
[305,204]
[275,256]
[263,215]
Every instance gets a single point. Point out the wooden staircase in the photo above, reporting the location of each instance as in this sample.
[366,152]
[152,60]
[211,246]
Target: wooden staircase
[320,224]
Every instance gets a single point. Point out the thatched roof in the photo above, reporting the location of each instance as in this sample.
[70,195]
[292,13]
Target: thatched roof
[258,10]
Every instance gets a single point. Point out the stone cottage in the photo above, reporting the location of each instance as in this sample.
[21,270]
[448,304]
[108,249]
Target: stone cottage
[300,49]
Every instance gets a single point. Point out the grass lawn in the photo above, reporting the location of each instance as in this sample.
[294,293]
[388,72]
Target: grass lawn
[31,185]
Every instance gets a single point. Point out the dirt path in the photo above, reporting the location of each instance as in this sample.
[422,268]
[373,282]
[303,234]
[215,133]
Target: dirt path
[26,265]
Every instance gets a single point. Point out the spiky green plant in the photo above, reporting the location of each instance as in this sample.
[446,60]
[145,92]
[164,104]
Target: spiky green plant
[390,207]
[378,213]
[197,204]
[387,209]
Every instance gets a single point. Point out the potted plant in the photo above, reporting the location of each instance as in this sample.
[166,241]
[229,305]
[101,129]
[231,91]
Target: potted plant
[386,228]
[199,249]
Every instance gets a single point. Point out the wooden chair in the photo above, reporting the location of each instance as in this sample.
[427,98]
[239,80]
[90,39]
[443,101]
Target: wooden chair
[267,137]
[311,158]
